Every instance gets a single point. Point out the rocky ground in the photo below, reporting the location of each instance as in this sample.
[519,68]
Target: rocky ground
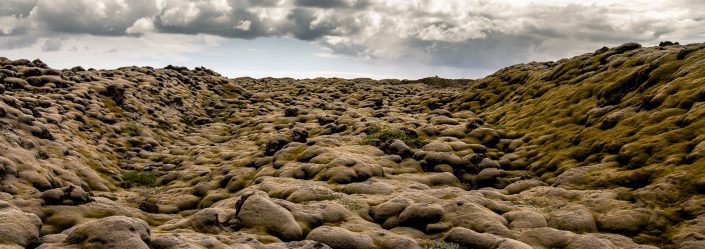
[603,150]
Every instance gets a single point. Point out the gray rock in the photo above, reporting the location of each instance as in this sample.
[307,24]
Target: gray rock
[257,210]
[69,195]
[389,240]
[371,186]
[624,221]
[522,185]
[111,232]
[188,240]
[324,120]
[589,242]
[392,207]
[435,158]
[471,239]
[573,218]
[310,153]
[545,237]
[470,161]
[298,135]
[421,214]
[488,176]
[18,228]
[438,146]
[275,144]
[627,47]
[488,163]
[291,112]
[209,220]
[52,238]
[311,193]
[695,206]
[304,244]
[398,147]
[486,136]
[692,245]
[340,238]
[525,219]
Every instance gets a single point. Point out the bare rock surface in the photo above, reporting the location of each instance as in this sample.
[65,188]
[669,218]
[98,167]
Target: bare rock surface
[19,229]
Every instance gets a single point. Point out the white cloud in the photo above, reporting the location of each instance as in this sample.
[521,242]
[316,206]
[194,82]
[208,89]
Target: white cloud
[8,24]
[326,55]
[179,14]
[244,25]
[456,33]
[148,49]
[141,26]
[51,45]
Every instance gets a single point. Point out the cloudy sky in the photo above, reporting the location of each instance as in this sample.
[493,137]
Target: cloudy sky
[343,38]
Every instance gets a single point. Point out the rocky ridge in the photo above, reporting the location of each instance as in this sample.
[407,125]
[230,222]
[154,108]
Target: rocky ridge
[603,150]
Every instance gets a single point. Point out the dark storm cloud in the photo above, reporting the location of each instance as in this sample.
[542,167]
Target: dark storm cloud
[358,4]
[13,15]
[310,25]
[252,19]
[110,17]
[323,4]
[255,3]
[18,8]
[456,33]
[210,17]
[15,42]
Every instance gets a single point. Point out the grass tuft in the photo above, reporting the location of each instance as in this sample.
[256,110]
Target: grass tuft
[384,134]
[133,178]
[132,129]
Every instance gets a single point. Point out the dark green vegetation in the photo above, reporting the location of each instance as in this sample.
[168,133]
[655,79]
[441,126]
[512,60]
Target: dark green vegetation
[385,134]
[134,178]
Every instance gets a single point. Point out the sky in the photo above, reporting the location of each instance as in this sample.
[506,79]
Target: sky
[406,39]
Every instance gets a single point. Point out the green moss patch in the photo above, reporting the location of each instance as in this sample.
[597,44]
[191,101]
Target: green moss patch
[384,134]
[134,178]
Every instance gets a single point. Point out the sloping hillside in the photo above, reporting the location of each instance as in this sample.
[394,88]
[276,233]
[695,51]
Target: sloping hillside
[627,118]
